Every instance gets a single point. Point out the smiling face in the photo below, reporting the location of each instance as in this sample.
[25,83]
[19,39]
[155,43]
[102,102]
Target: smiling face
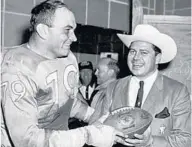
[141,59]
[61,33]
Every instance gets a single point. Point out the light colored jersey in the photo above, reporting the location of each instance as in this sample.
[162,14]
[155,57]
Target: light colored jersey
[37,97]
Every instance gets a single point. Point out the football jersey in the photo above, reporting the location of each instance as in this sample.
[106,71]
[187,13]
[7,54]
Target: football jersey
[37,91]
[58,77]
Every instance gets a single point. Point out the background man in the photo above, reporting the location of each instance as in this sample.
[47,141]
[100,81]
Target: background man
[39,86]
[87,79]
[106,72]
[166,99]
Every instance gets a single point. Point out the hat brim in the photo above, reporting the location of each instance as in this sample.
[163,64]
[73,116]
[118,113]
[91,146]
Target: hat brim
[165,43]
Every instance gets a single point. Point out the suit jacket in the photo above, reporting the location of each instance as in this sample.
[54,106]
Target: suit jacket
[80,95]
[98,100]
[170,130]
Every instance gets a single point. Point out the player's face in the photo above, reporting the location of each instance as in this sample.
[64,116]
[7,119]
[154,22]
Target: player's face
[86,76]
[61,34]
[102,73]
[141,59]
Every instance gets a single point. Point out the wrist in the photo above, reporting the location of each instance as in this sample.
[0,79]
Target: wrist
[86,135]
[102,136]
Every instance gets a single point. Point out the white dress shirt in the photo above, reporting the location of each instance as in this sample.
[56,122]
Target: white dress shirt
[134,87]
[90,91]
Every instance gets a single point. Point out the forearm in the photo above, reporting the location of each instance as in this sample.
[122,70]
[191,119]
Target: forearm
[81,111]
[90,135]
[24,131]
[70,138]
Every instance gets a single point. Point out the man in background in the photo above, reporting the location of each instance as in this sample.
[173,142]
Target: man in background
[39,83]
[106,71]
[87,80]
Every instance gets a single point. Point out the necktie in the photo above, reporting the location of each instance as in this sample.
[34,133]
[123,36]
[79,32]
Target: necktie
[87,93]
[139,95]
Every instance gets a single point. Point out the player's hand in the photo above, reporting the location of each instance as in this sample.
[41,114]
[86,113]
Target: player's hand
[141,140]
[119,136]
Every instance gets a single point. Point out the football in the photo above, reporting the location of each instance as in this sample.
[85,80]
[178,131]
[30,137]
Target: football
[129,120]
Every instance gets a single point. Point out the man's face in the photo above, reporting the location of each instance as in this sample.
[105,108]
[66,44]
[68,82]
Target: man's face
[141,59]
[61,34]
[86,76]
[102,73]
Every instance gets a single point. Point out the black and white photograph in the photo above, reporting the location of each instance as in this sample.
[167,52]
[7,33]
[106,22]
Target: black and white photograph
[96,73]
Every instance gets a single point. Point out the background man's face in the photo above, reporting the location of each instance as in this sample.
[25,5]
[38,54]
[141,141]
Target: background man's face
[141,59]
[61,34]
[102,73]
[86,76]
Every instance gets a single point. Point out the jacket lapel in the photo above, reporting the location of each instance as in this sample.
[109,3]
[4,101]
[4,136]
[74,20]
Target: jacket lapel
[124,91]
[155,95]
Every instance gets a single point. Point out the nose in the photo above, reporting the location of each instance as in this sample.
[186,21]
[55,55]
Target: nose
[136,56]
[73,37]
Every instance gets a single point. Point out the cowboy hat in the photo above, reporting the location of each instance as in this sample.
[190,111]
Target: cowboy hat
[150,34]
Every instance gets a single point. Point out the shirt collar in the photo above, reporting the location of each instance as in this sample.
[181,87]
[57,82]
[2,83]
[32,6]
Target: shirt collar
[104,85]
[150,79]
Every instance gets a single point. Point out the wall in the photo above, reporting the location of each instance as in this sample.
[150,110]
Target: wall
[107,13]
[173,17]
[179,28]
[103,13]
[167,7]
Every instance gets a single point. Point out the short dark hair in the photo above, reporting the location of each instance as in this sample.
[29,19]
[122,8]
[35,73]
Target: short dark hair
[44,13]
[157,50]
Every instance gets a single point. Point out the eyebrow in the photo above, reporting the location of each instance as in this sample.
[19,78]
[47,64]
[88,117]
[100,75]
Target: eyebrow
[68,26]
[139,49]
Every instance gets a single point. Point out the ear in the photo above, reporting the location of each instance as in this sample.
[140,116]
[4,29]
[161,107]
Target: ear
[42,31]
[110,72]
[158,58]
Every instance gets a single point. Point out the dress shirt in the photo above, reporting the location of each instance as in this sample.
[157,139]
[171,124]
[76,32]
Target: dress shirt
[90,90]
[134,87]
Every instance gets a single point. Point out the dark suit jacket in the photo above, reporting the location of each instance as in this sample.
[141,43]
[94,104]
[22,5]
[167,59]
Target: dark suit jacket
[168,94]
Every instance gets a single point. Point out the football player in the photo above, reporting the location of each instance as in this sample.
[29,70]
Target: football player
[39,86]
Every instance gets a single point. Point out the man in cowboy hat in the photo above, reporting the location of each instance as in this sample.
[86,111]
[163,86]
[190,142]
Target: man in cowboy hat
[166,99]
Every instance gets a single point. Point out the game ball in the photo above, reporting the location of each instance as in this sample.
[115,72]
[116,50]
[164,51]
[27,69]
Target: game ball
[129,120]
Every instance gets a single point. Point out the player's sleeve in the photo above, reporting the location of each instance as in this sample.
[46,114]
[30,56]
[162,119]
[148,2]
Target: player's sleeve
[20,112]
[81,110]
[180,135]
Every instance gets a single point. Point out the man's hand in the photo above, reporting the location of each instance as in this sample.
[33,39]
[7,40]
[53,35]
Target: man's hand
[143,140]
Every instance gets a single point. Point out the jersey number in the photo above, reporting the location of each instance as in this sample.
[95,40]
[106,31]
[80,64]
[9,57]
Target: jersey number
[52,80]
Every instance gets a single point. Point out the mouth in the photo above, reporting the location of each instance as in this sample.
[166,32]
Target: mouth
[66,44]
[137,66]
